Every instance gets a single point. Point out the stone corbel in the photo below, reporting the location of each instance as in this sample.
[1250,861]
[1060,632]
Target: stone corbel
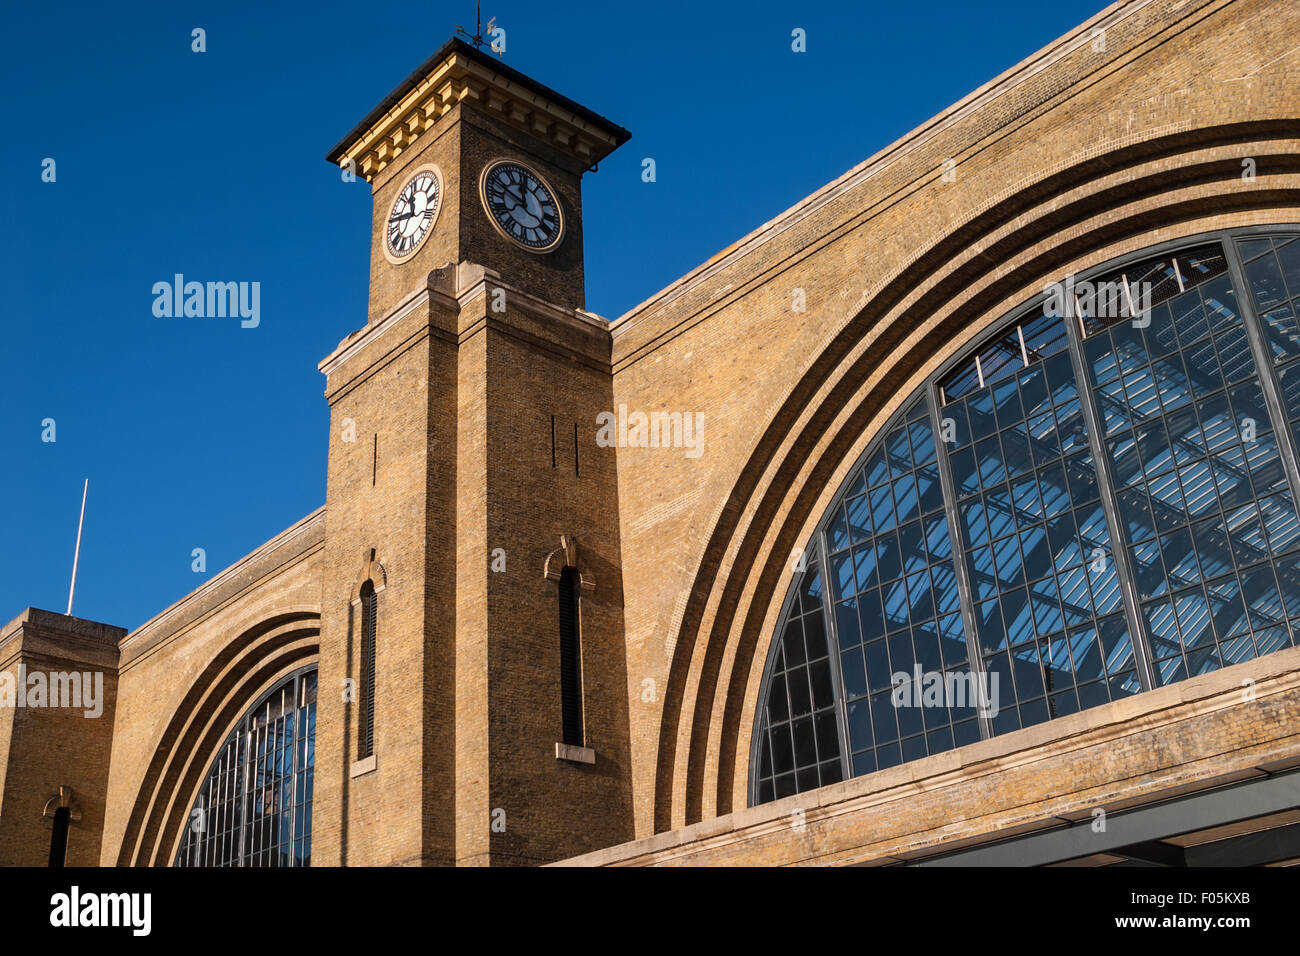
[566,556]
[371,570]
[64,798]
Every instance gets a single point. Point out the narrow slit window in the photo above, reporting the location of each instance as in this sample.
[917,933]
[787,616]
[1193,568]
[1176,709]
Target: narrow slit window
[369,628]
[570,657]
[59,838]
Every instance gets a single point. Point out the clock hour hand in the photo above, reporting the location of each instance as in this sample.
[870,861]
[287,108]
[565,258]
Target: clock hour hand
[406,215]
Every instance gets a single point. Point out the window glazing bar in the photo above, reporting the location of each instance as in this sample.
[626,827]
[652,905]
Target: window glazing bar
[291,801]
[965,592]
[1110,507]
[833,644]
[1268,379]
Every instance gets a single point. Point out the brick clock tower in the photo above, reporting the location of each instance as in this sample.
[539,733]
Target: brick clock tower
[466,495]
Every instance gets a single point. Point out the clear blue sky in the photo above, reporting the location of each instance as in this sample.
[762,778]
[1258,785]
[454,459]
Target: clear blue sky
[198,433]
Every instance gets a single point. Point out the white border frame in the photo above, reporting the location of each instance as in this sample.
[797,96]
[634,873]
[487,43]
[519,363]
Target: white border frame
[437,212]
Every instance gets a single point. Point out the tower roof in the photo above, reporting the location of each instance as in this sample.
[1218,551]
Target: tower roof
[458,73]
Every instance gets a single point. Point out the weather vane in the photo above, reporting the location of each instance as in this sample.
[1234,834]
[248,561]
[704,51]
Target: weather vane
[477,36]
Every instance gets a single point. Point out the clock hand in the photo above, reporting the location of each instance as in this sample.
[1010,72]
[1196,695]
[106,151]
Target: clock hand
[406,215]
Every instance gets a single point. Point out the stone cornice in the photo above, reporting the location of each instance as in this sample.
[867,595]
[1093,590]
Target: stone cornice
[459,75]
[48,636]
[35,618]
[453,288]
[362,338]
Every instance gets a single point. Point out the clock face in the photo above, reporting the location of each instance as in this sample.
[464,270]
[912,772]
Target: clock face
[414,212]
[522,205]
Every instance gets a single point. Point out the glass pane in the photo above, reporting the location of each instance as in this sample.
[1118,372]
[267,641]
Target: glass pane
[1203,503]
[254,807]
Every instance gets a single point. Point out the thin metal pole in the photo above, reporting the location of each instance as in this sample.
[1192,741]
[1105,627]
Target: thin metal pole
[77,553]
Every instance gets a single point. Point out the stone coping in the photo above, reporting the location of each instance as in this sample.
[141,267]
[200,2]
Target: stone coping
[1022,72]
[295,541]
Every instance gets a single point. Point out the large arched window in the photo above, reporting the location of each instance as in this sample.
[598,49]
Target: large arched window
[1097,501]
[254,808]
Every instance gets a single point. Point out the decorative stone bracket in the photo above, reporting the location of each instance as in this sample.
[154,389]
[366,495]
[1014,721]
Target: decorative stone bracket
[566,556]
[371,570]
[64,798]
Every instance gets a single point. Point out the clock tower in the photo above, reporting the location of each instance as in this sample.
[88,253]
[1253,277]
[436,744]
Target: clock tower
[470,160]
[472,605]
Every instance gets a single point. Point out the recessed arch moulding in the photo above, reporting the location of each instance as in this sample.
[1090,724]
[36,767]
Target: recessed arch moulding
[1068,161]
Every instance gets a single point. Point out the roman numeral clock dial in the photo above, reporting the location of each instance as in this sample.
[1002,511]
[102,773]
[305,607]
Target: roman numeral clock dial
[413,214]
[522,205]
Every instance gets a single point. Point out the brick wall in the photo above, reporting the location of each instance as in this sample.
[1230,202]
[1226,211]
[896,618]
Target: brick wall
[1076,155]
[63,744]
[1073,157]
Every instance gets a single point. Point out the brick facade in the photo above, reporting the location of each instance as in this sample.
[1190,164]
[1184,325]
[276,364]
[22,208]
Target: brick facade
[462,422]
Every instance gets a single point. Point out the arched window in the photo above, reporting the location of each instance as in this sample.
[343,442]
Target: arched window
[366,694]
[571,657]
[799,740]
[254,807]
[1099,500]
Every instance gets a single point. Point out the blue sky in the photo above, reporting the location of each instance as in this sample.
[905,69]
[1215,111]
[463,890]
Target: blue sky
[196,433]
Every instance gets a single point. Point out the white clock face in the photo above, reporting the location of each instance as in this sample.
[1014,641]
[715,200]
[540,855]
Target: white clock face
[414,212]
[522,205]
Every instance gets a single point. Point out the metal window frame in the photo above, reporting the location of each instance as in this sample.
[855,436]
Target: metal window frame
[1143,658]
[965,590]
[235,814]
[929,393]
[1288,450]
[841,705]
[899,419]
[813,558]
